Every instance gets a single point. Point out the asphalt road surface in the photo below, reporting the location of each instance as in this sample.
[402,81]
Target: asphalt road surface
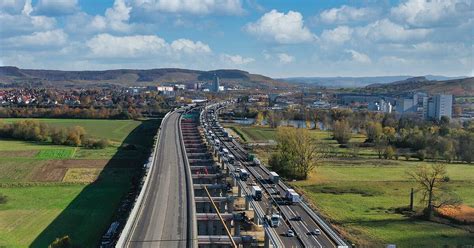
[162,220]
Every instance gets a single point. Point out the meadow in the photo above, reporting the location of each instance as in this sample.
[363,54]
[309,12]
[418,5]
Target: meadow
[55,190]
[361,196]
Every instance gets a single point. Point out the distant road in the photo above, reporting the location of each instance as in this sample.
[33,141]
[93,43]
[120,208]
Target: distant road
[162,220]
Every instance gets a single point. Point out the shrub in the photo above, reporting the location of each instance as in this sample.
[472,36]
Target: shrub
[64,242]
[3,199]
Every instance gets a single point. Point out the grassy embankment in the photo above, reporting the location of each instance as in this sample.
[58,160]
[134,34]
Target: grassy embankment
[60,190]
[361,195]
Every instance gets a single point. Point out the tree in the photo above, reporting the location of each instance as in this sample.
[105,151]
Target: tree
[432,182]
[297,153]
[374,131]
[259,119]
[63,242]
[342,132]
[466,146]
[389,152]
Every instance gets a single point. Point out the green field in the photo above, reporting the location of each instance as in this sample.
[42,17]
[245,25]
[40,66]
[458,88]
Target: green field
[115,130]
[361,195]
[49,188]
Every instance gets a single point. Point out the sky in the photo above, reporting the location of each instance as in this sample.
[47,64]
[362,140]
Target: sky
[277,38]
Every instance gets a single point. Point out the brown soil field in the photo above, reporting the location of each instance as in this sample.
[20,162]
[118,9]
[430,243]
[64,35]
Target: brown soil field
[54,170]
[18,154]
[460,213]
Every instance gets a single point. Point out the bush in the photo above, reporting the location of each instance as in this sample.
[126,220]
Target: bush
[3,199]
[421,154]
[64,242]
[407,156]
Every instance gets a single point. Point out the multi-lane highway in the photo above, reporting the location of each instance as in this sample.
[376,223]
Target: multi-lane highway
[162,218]
[304,228]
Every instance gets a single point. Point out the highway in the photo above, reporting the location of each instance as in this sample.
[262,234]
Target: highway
[163,216]
[274,194]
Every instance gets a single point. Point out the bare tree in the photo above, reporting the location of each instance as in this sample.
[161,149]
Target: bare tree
[432,182]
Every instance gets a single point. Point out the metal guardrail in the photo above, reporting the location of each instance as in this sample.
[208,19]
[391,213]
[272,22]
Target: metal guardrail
[131,221]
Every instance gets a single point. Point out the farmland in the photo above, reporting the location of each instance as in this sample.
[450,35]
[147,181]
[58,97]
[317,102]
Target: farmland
[55,190]
[361,194]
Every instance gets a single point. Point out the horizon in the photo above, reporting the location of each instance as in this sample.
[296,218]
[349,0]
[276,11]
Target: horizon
[276,39]
[251,72]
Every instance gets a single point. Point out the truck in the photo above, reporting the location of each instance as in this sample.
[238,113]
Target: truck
[244,175]
[257,193]
[256,162]
[275,220]
[291,196]
[274,177]
[231,159]
[225,152]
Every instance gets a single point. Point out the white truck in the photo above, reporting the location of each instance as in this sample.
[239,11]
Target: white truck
[244,175]
[275,220]
[291,196]
[256,162]
[257,193]
[274,177]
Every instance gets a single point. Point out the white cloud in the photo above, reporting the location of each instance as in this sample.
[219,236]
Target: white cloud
[385,30]
[346,14]
[422,13]
[14,25]
[106,45]
[235,59]
[359,57]
[281,28]
[199,7]
[56,7]
[189,46]
[285,58]
[12,6]
[52,38]
[117,17]
[143,46]
[339,35]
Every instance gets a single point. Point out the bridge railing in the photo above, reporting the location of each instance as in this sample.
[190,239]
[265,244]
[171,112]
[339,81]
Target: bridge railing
[132,218]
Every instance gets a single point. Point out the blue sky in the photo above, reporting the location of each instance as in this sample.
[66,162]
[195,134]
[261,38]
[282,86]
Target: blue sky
[275,38]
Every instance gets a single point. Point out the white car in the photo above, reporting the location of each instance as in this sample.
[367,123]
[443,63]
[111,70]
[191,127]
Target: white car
[316,232]
[290,233]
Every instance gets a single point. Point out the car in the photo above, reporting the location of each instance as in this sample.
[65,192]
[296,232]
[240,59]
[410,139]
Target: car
[316,232]
[296,218]
[290,233]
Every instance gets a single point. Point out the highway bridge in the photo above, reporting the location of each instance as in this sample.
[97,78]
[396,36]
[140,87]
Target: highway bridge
[163,219]
[192,196]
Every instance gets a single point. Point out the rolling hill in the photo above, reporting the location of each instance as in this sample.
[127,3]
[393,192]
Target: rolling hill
[456,87]
[130,77]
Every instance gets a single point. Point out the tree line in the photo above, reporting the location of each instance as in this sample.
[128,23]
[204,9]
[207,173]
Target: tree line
[70,112]
[33,130]
[432,140]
